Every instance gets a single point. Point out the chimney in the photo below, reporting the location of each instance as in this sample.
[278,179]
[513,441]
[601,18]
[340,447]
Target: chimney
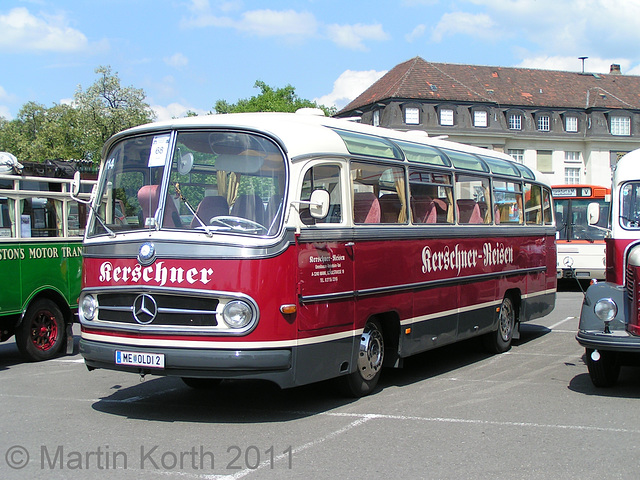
[615,69]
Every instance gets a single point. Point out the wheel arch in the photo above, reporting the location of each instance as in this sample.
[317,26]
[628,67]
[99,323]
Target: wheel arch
[56,297]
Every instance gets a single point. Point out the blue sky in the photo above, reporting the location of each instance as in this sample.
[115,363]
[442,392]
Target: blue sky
[187,54]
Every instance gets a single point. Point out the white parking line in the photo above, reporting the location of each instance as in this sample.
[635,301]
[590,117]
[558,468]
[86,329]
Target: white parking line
[561,322]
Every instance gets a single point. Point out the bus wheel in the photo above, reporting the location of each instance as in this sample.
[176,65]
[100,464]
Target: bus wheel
[201,383]
[41,334]
[499,341]
[604,372]
[369,363]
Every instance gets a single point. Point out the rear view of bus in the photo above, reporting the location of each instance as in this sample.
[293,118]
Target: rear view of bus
[295,248]
[610,318]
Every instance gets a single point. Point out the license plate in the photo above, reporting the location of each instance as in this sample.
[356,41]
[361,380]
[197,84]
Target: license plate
[137,359]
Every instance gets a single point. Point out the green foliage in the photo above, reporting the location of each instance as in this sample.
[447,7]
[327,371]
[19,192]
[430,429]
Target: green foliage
[271,100]
[77,131]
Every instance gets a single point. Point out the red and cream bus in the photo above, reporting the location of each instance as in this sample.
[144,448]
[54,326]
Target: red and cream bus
[610,318]
[580,245]
[297,248]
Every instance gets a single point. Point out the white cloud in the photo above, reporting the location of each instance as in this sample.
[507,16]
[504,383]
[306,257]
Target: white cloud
[174,110]
[416,33]
[475,25]
[348,86]
[22,31]
[270,23]
[5,112]
[177,60]
[352,36]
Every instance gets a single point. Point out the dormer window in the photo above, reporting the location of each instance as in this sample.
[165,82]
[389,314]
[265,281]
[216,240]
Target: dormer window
[620,125]
[412,116]
[480,118]
[515,121]
[571,123]
[543,123]
[446,117]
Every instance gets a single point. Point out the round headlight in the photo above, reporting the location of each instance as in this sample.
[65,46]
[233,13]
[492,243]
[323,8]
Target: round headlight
[88,307]
[606,309]
[237,314]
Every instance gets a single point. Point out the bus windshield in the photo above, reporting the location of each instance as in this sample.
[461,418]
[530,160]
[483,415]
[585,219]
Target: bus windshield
[206,181]
[571,219]
[630,205]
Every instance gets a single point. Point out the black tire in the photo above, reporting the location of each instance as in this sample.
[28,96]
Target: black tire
[201,383]
[605,371]
[499,340]
[42,333]
[369,363]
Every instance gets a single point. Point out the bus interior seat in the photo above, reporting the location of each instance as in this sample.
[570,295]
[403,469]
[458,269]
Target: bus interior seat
[148,199]
[423,209]
[468,211]
[250,207]
[210,206]
[366,208]
[390,208]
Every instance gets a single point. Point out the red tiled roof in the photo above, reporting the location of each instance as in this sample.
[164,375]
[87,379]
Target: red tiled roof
[429,81]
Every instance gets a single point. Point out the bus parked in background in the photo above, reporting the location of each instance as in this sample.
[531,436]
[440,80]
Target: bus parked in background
[580,245]
[297,248]
[41,231]
[610,317]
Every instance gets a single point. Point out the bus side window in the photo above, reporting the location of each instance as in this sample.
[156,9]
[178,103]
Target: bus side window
[473,199]
[533,204]
[546,206]
[6,218]
[325,177]
[508,200]
[378,193]
[430,197]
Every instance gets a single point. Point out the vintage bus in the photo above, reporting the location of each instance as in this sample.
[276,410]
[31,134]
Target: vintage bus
[41,230]
[610,317]
[580,245]
[297,248]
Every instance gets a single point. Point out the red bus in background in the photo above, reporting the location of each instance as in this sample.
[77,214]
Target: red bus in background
[297,248]
[581,252]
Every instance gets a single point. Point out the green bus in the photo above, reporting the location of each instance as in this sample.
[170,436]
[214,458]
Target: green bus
[41,230]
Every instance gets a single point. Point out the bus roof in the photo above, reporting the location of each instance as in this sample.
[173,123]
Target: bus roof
[303,134]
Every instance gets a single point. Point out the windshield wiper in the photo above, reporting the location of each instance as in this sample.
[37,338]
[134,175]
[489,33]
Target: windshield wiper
[206,227]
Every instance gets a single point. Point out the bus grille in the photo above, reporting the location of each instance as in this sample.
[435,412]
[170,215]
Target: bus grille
[630,282]
[174,310]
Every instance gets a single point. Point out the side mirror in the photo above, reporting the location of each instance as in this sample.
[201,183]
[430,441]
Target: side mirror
[593,213]
[319,204]
[75,185]
[185,164]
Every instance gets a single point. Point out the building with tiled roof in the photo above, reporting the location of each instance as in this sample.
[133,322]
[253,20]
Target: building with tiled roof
[572,126]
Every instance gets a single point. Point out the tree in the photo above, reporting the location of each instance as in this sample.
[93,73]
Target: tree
[77,131]
[106,108]
[270,100]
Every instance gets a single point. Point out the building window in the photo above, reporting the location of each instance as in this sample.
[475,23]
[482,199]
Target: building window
[412,116]
[545,164]
[571,124]
[376,118]
[515,121]
[517,154]
[571,175]
[446,117]
[620,125]
[543,123]
[480,118]
[572,157]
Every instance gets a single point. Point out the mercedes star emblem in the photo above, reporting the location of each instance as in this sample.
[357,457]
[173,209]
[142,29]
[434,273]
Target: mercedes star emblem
[145,309]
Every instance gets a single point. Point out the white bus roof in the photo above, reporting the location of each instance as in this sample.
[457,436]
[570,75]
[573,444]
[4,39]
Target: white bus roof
[304,134]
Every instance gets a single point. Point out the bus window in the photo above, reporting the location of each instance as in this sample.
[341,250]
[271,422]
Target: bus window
[41,217]
[546,206]
[378,193]
[508,200]
[630,205]
[473,201]
[325,177]
[6,217]
[533,204]
[431,197]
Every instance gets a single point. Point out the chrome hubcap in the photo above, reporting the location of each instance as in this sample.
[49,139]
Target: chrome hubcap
[371,352]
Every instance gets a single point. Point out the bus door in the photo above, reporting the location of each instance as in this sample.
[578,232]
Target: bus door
[11,254]
[325,257]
